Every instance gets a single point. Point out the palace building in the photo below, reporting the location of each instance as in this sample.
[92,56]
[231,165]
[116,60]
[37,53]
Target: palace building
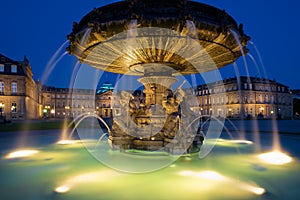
[246,97]
[19,93]
[64,102]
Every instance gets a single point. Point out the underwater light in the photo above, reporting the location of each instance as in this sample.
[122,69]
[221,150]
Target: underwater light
[62,189]
[185,173]
[241,141]
[275,158]
[211,175]
[257,190]
[251,187]
[66,142]
[22,153]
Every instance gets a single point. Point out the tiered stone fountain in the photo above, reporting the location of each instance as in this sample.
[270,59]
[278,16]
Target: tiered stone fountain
[157,40]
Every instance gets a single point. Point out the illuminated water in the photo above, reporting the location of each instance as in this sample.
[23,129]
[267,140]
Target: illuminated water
[232,170]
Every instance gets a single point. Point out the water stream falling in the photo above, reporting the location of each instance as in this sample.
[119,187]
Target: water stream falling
[255,64]
[260,58]
[76,122]
[57,56]
[242,52]
[84,38]
[276,139]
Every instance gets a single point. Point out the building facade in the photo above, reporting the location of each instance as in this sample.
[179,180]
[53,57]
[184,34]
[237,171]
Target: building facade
[19,93]
[245,97]
[64,102]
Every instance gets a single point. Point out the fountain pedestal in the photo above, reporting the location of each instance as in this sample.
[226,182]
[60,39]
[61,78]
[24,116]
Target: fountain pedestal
[153,124]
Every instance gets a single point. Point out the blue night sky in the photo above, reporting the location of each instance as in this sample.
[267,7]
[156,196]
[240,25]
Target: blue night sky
[38,28]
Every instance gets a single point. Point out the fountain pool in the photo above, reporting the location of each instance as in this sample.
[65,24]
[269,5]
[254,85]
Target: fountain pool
[233,170]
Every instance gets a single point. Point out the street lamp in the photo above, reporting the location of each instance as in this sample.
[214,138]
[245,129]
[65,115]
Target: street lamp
[2,105]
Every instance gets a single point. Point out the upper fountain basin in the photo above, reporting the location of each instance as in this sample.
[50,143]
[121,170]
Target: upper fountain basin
[122,36]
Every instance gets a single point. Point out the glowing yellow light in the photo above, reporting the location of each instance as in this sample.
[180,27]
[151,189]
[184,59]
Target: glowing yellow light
[187,158]
[173,165]
[257,190]
[22,153]
[66,142]
[185,173]
[241,141]
[224,142]
[62,189]
[252,188]
[275,158]
[211,175]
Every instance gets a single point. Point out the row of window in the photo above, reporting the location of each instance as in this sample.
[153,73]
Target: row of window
[13,68]
[58,96]
[260,99]
[13,87]
[246,86]
[247,111]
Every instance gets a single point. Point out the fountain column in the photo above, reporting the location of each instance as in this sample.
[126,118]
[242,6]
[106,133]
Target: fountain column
[157,79]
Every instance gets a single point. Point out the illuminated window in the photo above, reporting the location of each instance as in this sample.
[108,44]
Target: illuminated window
[14,107]
[2,87]
[13,87]
[14,69]
[1,68]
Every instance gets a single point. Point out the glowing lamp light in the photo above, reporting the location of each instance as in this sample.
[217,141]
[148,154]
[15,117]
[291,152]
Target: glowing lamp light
[22,153]
[219,178]
[185,173]
[62,189]
[241,141]
[173,165]
[224,142]
[258,190]
[211,175]
[275,158]
[66,142]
